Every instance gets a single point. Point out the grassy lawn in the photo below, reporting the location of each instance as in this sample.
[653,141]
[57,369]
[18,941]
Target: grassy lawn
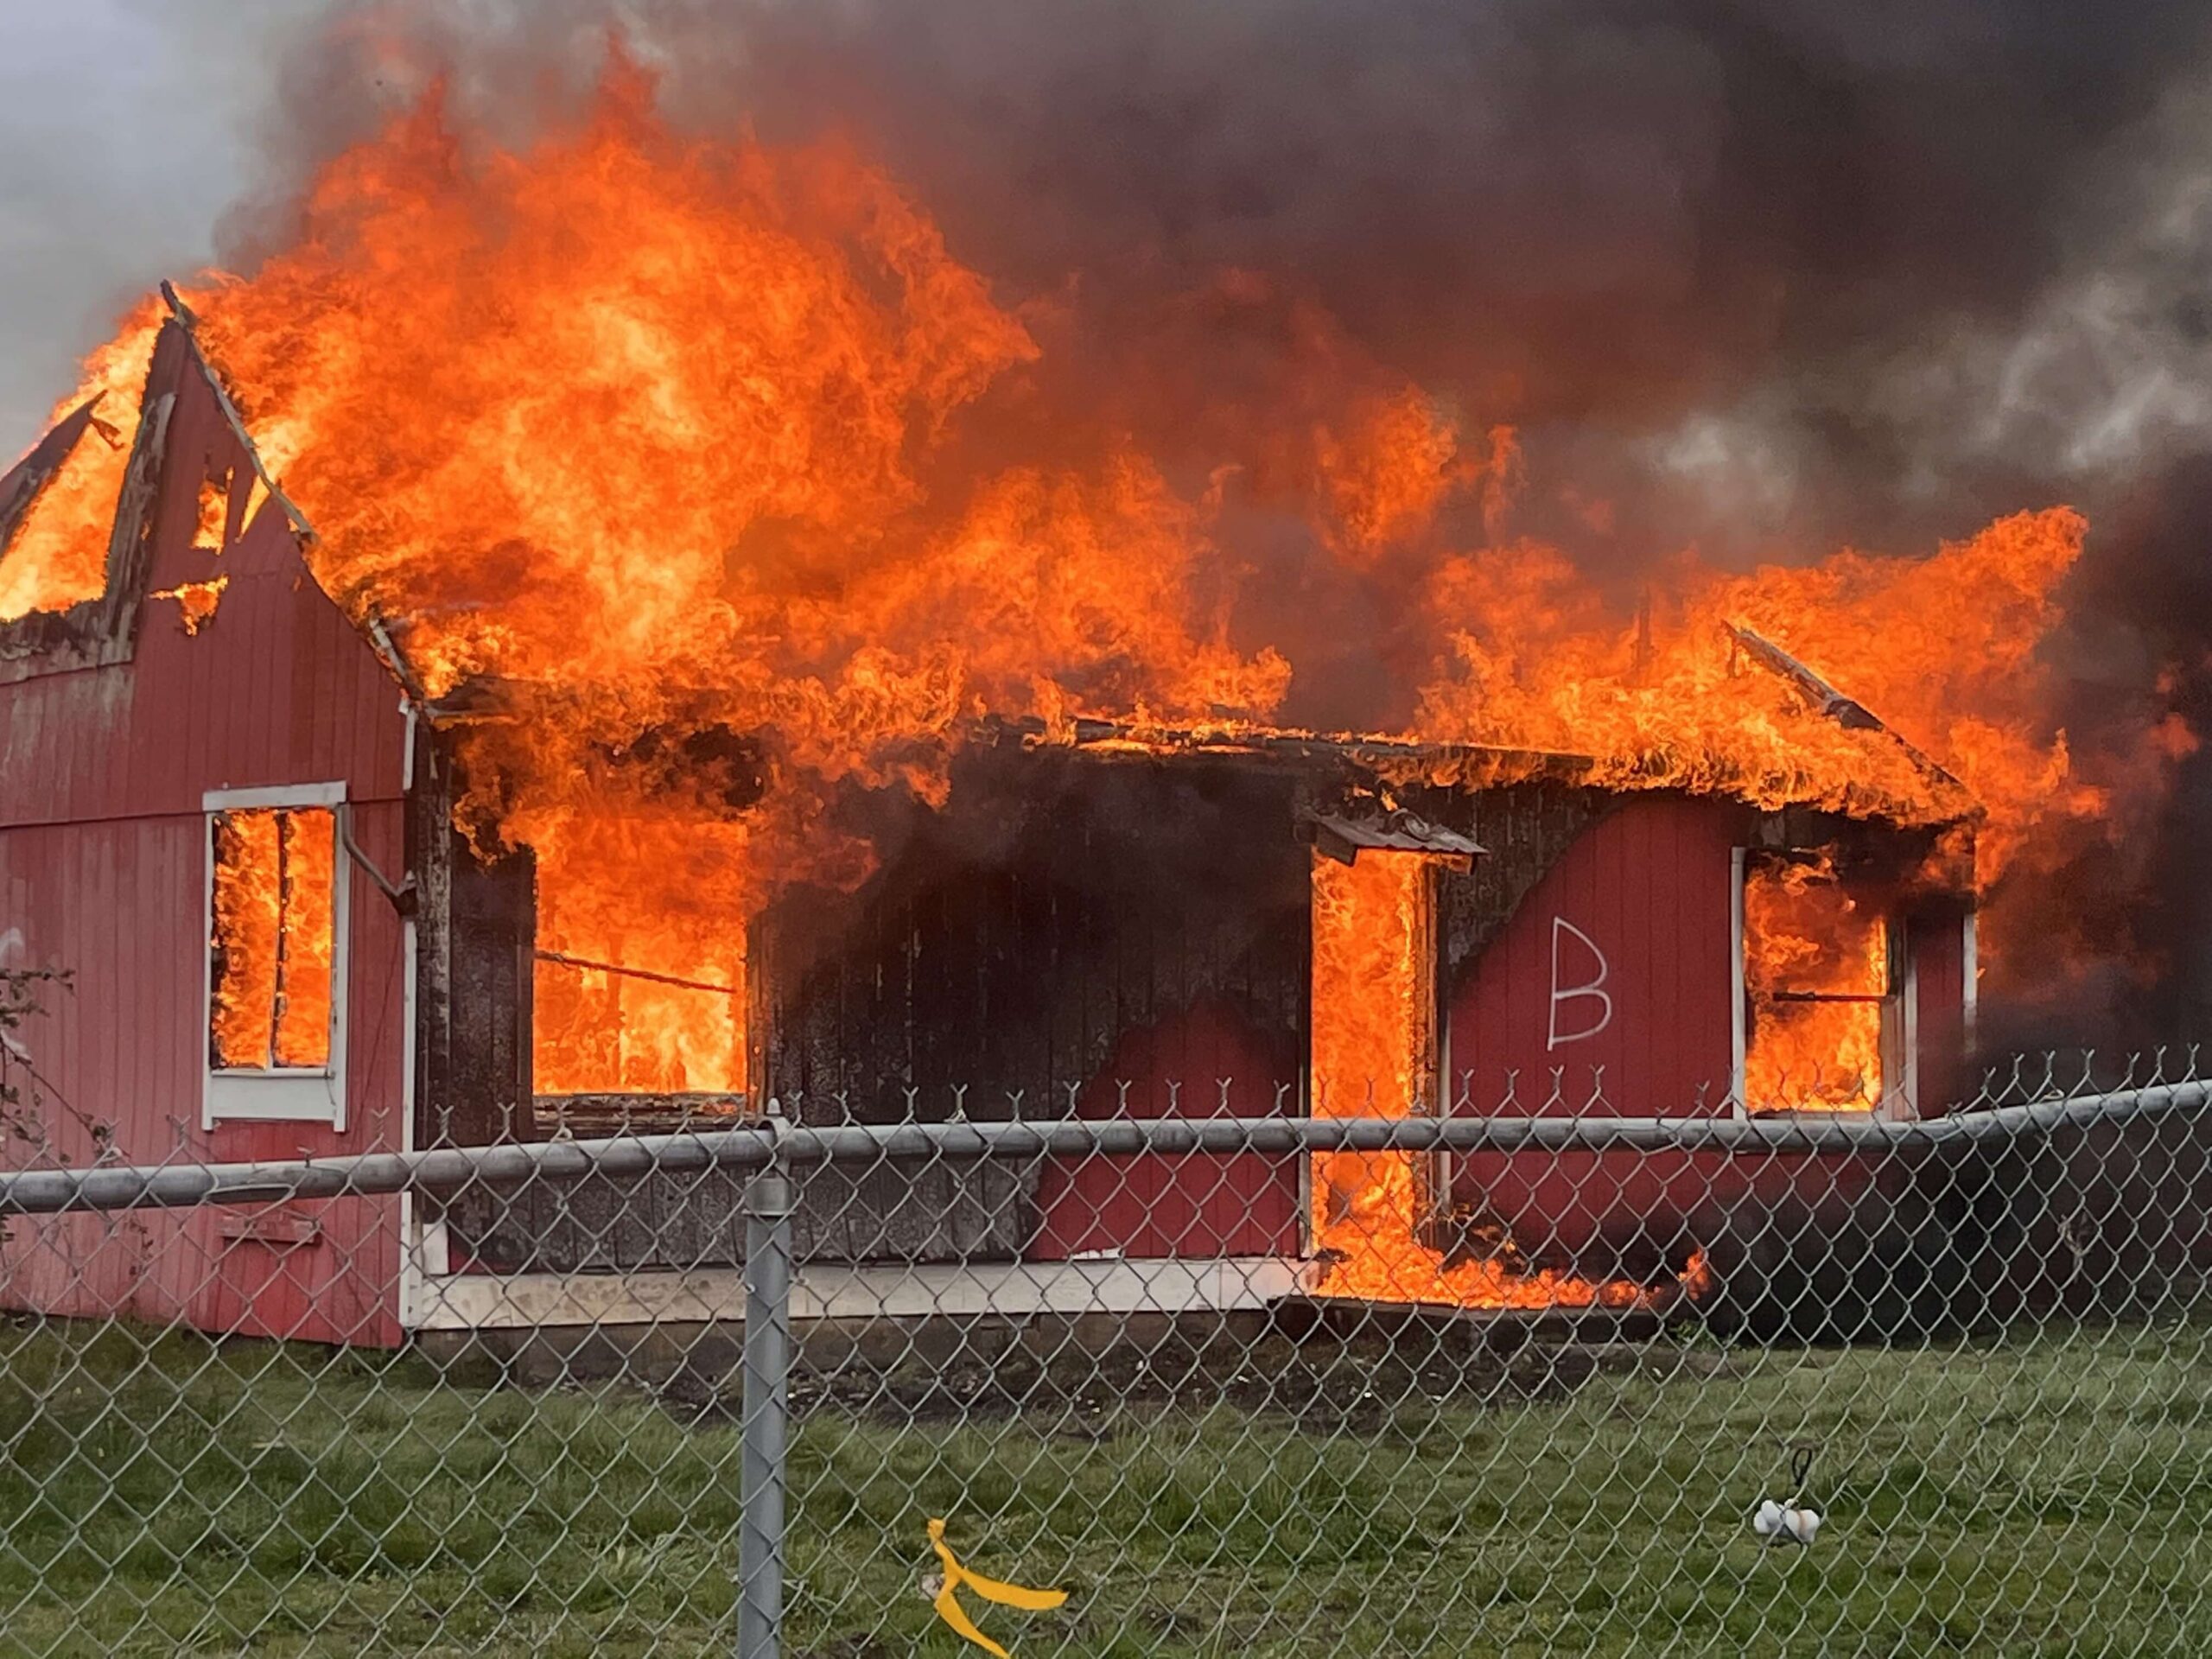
[2041,1495]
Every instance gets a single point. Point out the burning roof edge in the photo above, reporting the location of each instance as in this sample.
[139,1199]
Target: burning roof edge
[1847,711]
[1290,744]
[1394,760]
[371,625]
[491,698]
[22,483]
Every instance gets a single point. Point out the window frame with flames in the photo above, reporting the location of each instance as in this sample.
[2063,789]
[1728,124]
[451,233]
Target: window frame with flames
[309,1094]
[1899,1043]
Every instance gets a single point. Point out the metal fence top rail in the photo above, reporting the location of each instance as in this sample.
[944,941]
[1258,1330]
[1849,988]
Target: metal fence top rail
[776,1140]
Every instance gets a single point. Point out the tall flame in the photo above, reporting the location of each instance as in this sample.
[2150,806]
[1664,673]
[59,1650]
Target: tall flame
[672,437]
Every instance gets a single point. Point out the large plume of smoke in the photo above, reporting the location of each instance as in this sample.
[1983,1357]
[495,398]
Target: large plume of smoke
[1761,279]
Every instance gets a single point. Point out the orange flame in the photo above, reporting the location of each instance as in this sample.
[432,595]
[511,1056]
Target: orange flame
[670,436]
[274,892]
[1372,951]
[648,420]
[214,514]
[1942,649]
[58,554]
[1805,939]
[195,600]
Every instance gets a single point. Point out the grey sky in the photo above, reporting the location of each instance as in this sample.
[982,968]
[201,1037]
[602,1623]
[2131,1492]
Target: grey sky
[126,128]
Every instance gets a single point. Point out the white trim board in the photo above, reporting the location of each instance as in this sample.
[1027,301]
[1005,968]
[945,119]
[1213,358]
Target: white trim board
[1970,968]
[474,1301]
[247,800]
[1739,1024]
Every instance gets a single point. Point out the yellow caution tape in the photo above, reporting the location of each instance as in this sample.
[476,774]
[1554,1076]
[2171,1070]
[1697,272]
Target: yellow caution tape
[957,1577]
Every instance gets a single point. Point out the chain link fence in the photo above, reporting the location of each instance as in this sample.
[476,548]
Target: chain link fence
[1533,1378]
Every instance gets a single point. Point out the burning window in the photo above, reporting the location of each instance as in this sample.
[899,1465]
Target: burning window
[273,988]
[1818,990]
[619,1028]
[639,987]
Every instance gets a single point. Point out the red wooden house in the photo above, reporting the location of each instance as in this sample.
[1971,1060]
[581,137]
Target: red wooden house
[236,837]
[123,741]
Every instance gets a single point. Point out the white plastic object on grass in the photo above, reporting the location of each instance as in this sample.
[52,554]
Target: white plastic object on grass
[1780,1524]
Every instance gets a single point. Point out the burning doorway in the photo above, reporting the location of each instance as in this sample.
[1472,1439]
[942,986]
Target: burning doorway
[1823,1010]
[1374,1054]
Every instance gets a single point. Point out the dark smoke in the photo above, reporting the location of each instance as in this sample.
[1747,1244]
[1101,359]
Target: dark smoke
[1608,220]
[1768,279]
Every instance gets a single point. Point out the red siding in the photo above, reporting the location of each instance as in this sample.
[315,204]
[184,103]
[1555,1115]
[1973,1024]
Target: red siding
[1194,1204]
[102,848]
[1647,889]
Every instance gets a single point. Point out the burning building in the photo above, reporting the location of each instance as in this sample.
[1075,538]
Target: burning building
[299,850]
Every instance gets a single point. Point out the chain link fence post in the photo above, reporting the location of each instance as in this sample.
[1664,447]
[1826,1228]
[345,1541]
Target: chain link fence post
[766,1364]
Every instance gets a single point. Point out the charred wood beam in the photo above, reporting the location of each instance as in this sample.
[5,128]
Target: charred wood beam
[395,661]
[280,994]
[1342,838]
[492,697]
[586,963]
[1110,737]
[130,544]
[1826,700]
[1829,702]
[609,1103]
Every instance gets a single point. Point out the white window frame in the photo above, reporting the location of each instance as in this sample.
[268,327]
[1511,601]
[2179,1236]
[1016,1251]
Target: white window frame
[1900,1043]
[1970,966]
[284,1093]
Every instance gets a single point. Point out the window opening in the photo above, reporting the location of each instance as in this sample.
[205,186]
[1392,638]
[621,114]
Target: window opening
[275,938]
[1820,988]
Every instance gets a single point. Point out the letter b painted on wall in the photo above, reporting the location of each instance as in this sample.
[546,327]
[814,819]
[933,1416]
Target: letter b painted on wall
[1580,1005]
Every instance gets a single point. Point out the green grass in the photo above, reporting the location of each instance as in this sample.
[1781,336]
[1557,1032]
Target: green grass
[2039,1496]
